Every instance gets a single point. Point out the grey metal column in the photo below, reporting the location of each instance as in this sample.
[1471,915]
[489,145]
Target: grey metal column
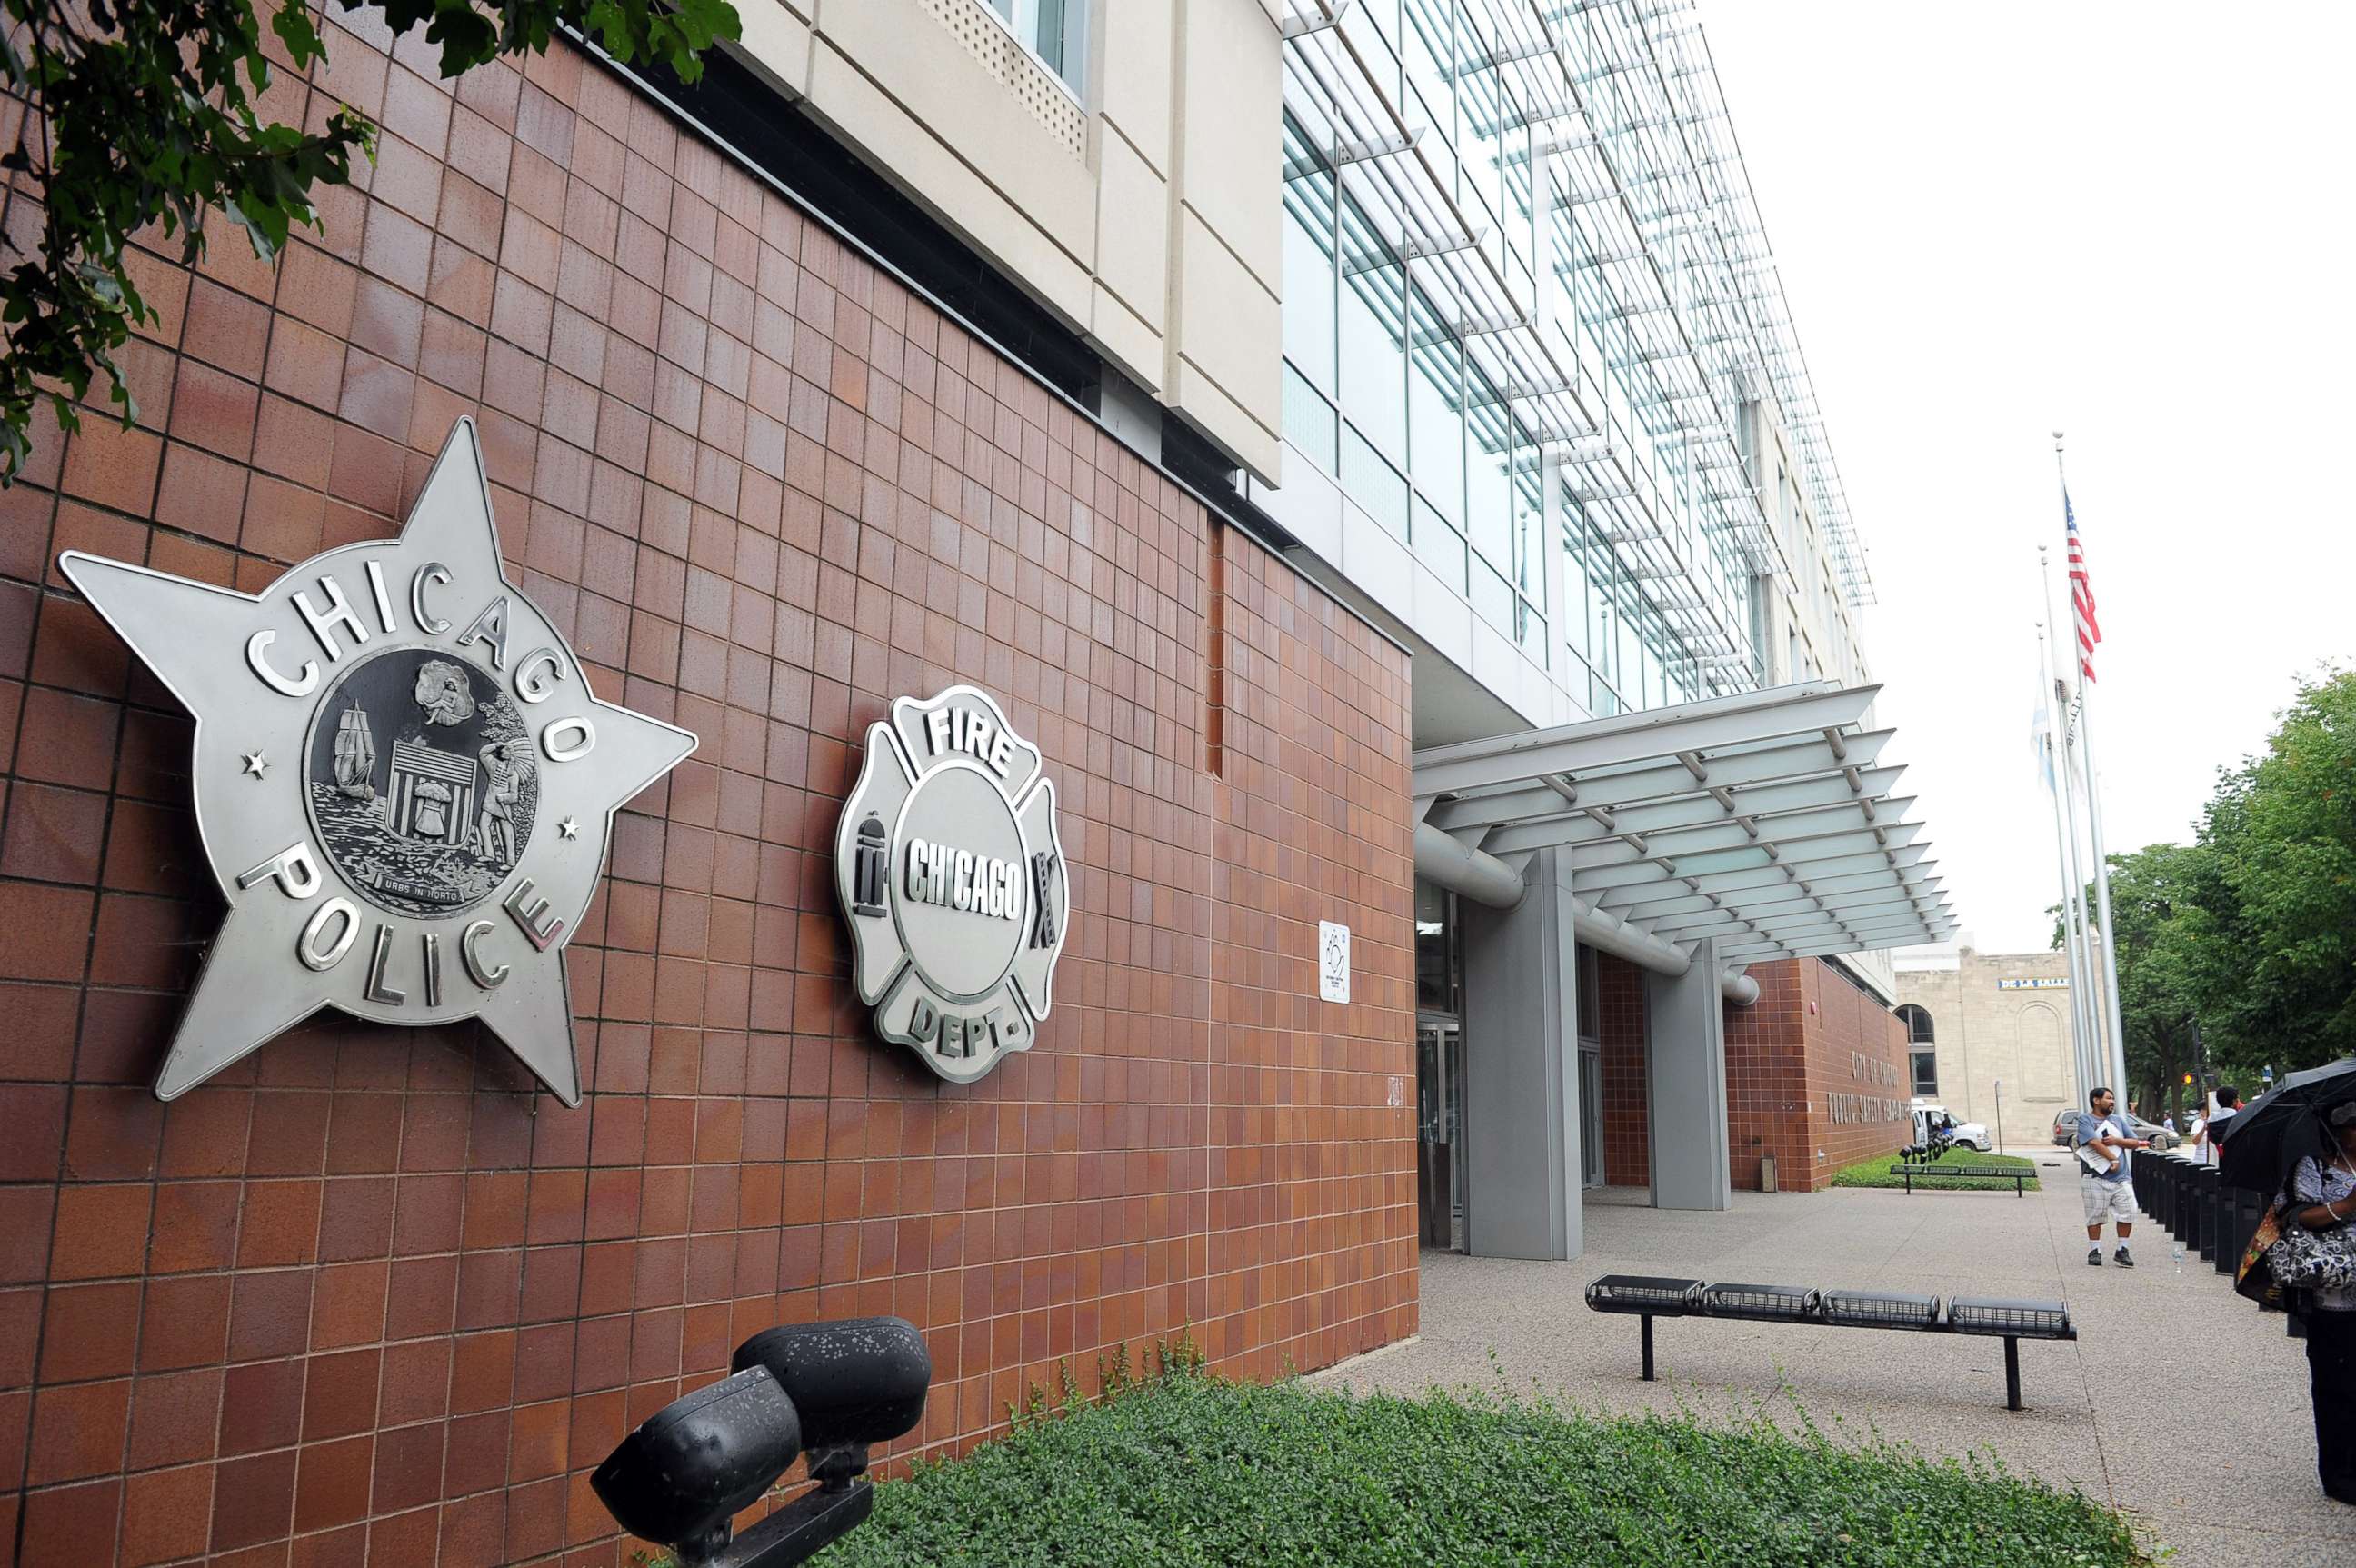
[1684,1070]
[1522,1186]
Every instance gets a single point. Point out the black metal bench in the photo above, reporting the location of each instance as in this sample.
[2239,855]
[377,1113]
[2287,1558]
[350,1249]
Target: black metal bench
[1648,1297]
[2019,1175]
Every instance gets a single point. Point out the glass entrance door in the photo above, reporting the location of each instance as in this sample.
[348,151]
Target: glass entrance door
[1590,1114]
[1440,1089]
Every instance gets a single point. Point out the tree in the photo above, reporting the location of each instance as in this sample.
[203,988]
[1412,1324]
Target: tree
[2278,934]
[2152,890]
[140,116]
[2155,1009]
[2250,932]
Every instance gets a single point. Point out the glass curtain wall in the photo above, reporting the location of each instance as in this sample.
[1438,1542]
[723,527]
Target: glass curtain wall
[1386,391]
[1380,391]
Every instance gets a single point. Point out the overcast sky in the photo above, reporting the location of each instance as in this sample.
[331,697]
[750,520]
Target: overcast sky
[2007,219]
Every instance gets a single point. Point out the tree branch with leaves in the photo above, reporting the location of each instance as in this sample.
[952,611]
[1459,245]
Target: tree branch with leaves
[2250,932]
[140,118]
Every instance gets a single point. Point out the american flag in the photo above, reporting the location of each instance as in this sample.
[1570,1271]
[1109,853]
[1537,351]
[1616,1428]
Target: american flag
[2082,593]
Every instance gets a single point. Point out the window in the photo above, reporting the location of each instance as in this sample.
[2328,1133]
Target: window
[1438,956]
[1435,406]
[1374,333]
[1052,29]
[1925,1058]
[1373,483]
[1308,302]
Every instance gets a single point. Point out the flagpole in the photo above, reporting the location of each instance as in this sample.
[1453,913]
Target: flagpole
[2080,1059]
[2090,1018]
[2074,745]
[2094,825]
[2089,1014]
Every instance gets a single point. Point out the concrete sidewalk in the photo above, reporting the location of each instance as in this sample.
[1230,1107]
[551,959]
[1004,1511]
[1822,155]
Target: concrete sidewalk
[2227,1481]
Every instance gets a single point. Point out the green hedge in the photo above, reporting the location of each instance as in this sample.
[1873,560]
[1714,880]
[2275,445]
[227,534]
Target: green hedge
[1875,1172]
[1189,1470]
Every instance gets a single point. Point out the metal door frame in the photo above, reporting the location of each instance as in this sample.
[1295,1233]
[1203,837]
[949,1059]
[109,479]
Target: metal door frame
[1447,1098]
[1590,1114]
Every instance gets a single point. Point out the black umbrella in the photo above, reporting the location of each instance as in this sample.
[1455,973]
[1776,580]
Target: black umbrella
[2259,1148]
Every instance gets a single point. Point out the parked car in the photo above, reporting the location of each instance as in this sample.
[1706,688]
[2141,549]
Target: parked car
[2065,1130]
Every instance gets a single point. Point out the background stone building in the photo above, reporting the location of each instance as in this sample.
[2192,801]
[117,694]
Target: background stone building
[1978,1019]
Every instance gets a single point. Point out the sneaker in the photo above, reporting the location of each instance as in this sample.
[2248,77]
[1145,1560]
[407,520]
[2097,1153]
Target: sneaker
[2124,1261]
[2094,1257]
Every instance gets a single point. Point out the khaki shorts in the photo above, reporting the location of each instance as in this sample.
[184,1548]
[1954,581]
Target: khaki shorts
[2108,1201]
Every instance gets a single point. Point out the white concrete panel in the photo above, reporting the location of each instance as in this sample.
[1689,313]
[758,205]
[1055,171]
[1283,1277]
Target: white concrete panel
[1133,232]
[843,98]
[1115,332]
[1135,81]
[1227,326]
[775,43]
[945,94]
[1206,404]
[1231,129]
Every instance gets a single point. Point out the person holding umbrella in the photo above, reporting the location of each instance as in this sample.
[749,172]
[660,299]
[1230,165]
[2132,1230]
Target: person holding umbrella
[2299,1140]
[2323,1197]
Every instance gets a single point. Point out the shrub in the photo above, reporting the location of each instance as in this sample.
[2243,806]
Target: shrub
[1875,1172]
[1189,1470]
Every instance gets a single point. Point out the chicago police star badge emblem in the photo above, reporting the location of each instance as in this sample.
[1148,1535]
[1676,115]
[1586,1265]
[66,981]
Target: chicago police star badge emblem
[403,782]
[952,877]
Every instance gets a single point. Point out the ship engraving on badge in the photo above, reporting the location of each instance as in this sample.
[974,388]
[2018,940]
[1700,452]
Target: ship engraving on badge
[443,821]
[951,877]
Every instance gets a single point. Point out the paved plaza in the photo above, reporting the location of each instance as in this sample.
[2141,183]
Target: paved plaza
[2221,1467]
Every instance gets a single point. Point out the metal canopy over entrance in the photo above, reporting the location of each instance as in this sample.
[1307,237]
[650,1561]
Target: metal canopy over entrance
[1765,820]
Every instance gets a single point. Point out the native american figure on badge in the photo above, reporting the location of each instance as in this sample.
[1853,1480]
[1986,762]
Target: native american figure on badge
[425,784]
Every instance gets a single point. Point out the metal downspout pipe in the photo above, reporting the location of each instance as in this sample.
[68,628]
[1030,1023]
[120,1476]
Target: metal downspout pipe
[1484,878]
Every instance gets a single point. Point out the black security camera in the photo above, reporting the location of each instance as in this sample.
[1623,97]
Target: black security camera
[831,1388]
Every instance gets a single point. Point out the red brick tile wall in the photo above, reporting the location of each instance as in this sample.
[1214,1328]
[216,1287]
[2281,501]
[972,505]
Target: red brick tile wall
[1313,1231]
[1856,1047]
[1810,1035]
[365,1297]
[1627,1096]
[1766,1072]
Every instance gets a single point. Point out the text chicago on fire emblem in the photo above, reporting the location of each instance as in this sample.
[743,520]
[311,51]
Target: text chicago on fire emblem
[403,782]
[952,877]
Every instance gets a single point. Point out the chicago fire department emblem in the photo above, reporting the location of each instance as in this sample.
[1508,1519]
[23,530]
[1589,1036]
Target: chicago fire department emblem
[403,783]
[952,877]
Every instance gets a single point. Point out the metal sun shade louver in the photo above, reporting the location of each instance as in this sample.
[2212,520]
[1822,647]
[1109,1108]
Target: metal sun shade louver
[1880,1309]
